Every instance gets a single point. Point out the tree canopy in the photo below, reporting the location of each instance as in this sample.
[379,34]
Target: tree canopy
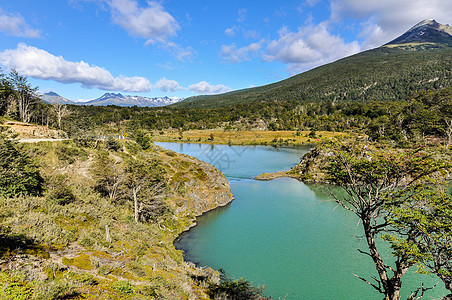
[376,179]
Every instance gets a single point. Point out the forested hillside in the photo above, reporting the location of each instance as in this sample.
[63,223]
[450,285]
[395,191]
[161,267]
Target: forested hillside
[382,74]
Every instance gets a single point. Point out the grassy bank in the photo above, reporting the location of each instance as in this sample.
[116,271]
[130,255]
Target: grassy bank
[75,241]
[255,137]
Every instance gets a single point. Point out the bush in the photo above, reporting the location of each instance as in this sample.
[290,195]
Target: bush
[312,134]
[124,287]
[142,139]
[112,144]
[62,195]
[235,289]
[59,191]
[19,175]
[69,152]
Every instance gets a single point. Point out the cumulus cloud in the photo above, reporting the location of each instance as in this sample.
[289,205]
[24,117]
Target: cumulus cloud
[166,85]
[15,25]
[384,20]
[233,54]
[308,47]
[206,88]
[152,23]
[40,64]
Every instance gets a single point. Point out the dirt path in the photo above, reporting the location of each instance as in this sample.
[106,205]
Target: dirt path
[40,140]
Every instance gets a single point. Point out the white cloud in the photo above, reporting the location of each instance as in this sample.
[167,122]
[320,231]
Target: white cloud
[40,64]
[166,85]
[15,25]
[183,54]
[242,14]
[384,20]
[249,34]
[231,31]
[231,54]
[152,23]
[308,47]
[206,88]
[311,3]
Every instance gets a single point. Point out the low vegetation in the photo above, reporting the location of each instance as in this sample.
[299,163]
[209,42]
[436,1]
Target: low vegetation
[90,228]
[232,137]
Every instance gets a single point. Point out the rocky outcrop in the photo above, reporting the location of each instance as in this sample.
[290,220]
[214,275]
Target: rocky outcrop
[197,187]
[309,169]
[207,190]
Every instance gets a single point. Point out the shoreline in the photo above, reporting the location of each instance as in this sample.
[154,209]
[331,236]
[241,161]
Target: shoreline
[236,143]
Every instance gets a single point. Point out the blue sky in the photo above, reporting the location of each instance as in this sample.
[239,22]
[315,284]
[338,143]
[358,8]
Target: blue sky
[84,48]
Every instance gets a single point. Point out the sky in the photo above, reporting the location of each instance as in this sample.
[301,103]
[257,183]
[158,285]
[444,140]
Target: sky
[82,49]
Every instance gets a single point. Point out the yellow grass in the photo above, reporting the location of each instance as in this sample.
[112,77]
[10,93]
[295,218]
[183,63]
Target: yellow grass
[255,137]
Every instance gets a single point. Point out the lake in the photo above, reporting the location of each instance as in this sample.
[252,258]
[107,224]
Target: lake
[283,233]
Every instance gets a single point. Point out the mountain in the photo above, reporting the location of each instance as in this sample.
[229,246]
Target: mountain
[419,59]
[52,97]
[427,31]
[114,99]
[121,100]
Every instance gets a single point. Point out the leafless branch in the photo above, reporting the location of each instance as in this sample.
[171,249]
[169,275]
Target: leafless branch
[378,288]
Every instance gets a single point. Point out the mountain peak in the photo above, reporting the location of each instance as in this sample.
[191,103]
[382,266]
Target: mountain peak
[111,95]
[426,31]
[426,22]
[52,97]
[121,100]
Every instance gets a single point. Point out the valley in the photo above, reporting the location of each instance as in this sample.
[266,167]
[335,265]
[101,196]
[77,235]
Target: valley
[94,210]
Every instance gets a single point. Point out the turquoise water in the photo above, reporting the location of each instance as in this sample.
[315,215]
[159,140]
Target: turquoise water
[282,234]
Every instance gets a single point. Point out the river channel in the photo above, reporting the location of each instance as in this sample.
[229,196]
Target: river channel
[283,233]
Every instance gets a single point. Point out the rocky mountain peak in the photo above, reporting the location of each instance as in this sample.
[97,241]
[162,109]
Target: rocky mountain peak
[426,31]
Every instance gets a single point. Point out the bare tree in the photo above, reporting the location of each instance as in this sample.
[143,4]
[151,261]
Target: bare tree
[145,188]
[24,95]
[60,111]
[448,132]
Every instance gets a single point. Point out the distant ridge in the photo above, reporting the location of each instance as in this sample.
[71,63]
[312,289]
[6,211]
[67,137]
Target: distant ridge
[115,99]
[420,59]
[121,100]
[52,97]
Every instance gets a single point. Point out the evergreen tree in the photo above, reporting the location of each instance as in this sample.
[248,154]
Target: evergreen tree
[19,175]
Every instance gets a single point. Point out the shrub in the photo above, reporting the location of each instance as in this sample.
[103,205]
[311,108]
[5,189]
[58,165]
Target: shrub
[112,144]
[124,287]
[19,175]
[62,195]
[59,191]
[235,289]
[142,139]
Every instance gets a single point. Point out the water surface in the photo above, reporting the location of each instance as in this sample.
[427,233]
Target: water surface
[281,233]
